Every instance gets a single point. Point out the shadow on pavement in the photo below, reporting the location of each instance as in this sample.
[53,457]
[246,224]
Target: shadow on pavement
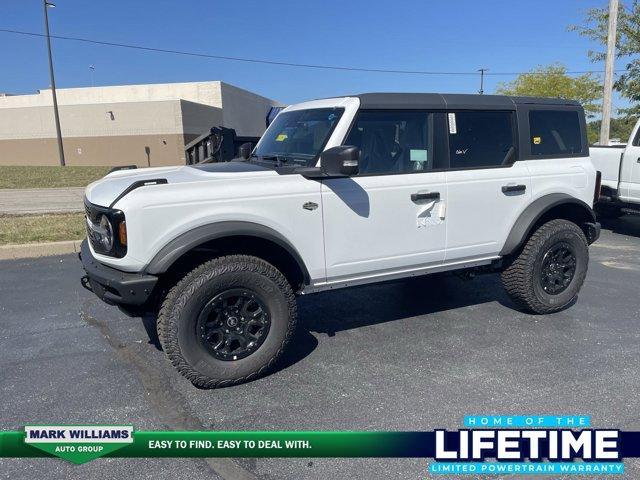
[340,310]
[625,225]
[149,323]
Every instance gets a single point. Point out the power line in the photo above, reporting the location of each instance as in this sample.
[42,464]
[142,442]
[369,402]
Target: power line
[275,62]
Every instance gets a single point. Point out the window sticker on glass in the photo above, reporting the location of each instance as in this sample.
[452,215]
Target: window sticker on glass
[452,124]
[281,138]
[537,140]
[417,155]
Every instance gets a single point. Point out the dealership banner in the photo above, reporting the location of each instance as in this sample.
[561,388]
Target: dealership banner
[486,445]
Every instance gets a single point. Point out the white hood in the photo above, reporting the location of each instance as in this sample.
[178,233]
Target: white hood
[106,190]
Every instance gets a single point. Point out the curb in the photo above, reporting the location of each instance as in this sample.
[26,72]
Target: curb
[34,250]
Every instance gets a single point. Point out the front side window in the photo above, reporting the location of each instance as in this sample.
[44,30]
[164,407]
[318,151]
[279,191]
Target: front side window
[396,141]
[480,139]
[555,132]
[298,137]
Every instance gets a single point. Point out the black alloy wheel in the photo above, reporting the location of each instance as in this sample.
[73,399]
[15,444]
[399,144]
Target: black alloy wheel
[558,268]
[233,324]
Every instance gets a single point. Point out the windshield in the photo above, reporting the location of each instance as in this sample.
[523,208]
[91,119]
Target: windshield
[298,137]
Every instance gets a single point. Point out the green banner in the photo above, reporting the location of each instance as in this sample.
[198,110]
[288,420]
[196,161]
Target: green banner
[210,444]
[81,444]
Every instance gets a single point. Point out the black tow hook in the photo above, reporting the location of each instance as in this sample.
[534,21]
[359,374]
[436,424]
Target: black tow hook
[592,231]
[84,281]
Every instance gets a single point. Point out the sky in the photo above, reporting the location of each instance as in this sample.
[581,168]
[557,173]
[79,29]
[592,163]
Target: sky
[432,35]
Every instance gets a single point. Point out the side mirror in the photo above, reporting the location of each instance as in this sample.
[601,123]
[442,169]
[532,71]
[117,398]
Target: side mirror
[340,161]
[245,150]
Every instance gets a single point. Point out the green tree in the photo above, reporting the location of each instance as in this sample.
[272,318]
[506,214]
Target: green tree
[553,81]
[620,128]
[595,27]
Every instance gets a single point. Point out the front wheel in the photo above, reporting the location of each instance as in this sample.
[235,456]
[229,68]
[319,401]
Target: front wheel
[227,321]
[549,271]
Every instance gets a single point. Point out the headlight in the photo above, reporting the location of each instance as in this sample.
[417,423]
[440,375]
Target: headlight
[106,229]
[106,233]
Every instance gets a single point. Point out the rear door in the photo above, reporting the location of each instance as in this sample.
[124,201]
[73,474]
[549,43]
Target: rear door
[486,190]
[390,218]
[634,182]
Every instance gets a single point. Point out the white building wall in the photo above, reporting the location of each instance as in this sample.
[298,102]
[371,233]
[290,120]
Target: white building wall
[245,111]
[105,119]
[161,117]
[207,93]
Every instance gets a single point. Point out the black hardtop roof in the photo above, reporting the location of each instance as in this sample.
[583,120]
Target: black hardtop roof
[453,101]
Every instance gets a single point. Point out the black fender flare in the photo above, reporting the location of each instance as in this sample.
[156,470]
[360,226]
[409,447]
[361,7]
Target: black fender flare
[185,242]
[528,218]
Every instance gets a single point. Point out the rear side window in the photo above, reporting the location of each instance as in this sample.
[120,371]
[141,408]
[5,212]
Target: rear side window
[555,132]
[480,139]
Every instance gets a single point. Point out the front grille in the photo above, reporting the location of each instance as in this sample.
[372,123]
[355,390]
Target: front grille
[91,215]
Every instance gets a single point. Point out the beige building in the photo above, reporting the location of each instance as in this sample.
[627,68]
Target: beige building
[124,125]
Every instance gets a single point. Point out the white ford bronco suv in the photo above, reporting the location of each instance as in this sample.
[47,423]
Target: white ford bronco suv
[341,192]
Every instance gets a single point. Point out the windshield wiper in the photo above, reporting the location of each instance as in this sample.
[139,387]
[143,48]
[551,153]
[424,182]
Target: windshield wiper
[279,159]
[259,159]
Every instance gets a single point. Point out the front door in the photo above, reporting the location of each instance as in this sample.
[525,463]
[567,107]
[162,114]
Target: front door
[390,219]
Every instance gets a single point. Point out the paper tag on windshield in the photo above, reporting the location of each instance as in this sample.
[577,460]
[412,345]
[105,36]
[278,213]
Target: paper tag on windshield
[452,124]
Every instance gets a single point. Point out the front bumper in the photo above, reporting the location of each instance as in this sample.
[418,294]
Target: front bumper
[114,286]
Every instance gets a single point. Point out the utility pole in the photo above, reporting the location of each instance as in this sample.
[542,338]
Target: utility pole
[608,72]
[482,70]
[92,69]
[46,5]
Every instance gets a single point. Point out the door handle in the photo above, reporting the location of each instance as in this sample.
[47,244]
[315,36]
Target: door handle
[425,196]
[513,188]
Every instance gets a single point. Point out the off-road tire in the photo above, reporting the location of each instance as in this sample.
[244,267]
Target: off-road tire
[522,276]
[179,311]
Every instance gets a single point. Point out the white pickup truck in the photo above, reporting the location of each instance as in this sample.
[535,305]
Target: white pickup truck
[620,167]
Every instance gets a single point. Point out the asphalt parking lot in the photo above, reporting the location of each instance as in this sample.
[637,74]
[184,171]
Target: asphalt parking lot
[411,355]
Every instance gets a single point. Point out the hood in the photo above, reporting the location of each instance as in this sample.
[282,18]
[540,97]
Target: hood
[115,185]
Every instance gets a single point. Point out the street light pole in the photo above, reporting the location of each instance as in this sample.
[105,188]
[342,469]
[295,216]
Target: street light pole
[46,5]
[608,72]
[482,70]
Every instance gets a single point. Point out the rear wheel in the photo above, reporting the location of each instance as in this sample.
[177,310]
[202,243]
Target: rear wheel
[227,321]
[549,271]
